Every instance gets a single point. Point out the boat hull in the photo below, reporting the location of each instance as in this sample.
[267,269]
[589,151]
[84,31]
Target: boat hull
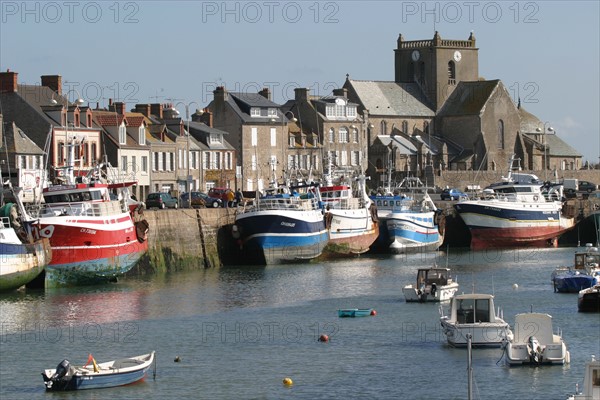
[553,354]
[589,300]
[90,250]
[573,283]
[512,224]
[444,293]
[355,312]
[482,334]
[22,263]
[279,236]
[350,232]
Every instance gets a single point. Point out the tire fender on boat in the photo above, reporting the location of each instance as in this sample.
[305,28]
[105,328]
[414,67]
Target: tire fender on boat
[141,230]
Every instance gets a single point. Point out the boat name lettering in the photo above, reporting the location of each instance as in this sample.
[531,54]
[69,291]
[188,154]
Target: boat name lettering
[289,224]
[90,231]
[492,208]
[61,187]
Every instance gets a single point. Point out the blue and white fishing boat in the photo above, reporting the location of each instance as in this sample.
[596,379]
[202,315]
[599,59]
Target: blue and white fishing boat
[120,372]
[584,273]
[413,222]
[282,226]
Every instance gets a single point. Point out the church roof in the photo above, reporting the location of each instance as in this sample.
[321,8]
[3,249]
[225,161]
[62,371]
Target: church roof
[392,98]
[469,98]
[529,122]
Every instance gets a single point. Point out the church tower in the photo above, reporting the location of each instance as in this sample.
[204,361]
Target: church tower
[437,65]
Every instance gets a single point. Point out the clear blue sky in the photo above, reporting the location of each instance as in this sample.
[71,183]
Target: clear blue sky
[546,52]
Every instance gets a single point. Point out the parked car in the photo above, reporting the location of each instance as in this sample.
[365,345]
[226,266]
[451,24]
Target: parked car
[161,200]
[219,193]
[452,194]
[585,186]
[199,199]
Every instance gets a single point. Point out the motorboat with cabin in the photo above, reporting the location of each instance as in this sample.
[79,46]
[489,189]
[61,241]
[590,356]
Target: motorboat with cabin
[433,285]
[584,273]
[474,314]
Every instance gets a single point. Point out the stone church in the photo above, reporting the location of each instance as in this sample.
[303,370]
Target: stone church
[439,114]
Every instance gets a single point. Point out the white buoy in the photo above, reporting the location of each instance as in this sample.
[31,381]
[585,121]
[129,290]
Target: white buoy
[515,286]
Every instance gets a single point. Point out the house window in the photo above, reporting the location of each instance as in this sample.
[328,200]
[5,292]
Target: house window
[355,158]
[426,126]
[253,162]
[340,110]
[206,160]
[383,128]
[180,158]
[124,163]
[343,135]
[315,162]
[331,135]
[217,160]
[500,134]
[354,135]
[405,126]
[61,153]
[451,73]
[216,138]
[94,154]
[292,141]
[122,134]
[351,111]
[290,162]
[344,158]
[134,164]
[228,161]
[254,138]
[144,164]
[330,111]
[255,112]
[272,112]
[304,161]
[142,135]
[273,137]
[89,120]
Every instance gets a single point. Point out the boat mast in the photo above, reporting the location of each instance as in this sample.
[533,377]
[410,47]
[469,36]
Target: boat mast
[469,368]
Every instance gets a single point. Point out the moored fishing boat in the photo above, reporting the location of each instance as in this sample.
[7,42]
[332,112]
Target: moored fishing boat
[282,226]
[588,299]
[433,284]
[351,222]
[93,237]
[410,222]
[584,273]
[518,211]
[109,374]
[23,258]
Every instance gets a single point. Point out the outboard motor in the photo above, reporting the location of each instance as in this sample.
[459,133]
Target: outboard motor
[433,289]
[61,370]
[535,351]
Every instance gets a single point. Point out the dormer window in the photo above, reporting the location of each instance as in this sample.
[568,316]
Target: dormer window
[292,141]
[272,112]
[351,111]
[216,138]
[142,135]
[122,133]
[330,111]
[255,112]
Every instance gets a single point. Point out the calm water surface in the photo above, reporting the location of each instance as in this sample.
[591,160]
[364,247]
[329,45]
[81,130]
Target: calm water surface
[240,330]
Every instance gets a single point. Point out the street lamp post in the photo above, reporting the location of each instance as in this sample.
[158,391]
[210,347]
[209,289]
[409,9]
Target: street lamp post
[543,131]
[188,178]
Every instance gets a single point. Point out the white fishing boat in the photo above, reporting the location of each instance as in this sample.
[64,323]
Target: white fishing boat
[591,382]
[474,314]
[433,284]
[534,342]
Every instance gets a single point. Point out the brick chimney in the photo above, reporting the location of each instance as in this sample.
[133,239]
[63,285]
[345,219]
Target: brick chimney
[301,94]
[54,82]
[266,93]
[343,92]
[8,81]
[156,110]
[119,107]
[143,109]
[206,117]
[220,94]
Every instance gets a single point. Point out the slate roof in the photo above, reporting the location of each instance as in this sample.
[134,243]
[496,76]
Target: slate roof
[242,102]
[529,122]
[469,98]
[201,132]
[559,148]
[401,143]
[392,98]
[17,142]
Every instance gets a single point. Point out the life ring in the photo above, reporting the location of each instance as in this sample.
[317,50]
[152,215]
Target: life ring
[535,197]
[141,230]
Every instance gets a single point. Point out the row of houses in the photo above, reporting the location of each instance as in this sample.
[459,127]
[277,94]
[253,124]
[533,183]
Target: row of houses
[438,114]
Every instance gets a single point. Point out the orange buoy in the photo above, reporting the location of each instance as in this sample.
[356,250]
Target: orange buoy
[373,312]
[324,338]
[288,381]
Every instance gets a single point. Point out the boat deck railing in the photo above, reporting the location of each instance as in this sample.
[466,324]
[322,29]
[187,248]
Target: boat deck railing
[89,209]
[283,203]
[352,203]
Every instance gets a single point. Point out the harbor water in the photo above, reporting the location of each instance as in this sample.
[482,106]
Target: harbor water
[239,331]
